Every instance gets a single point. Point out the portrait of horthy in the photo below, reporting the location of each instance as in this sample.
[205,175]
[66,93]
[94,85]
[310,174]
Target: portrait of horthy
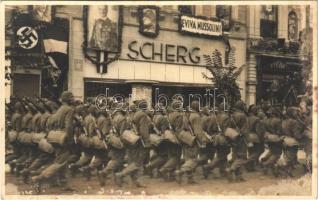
[189,99]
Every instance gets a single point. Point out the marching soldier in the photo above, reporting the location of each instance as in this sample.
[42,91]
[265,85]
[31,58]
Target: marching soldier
[16,123]
[175,121]
[161,151]
[238,121]
[138,153]
[64,117]
[255,136]
[116,153]
[209,126]
[193,124]
[221,143]
[273,131]
[293,132]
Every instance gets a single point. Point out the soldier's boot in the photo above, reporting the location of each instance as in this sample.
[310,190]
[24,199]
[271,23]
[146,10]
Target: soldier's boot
[135,181]
[73,169]
[230,175]
[101,177]
[179,175]
[190,178]
[172,177]
[87,172]
[148,171]
[205,171]
[118,179]
[12,167]
[239,176]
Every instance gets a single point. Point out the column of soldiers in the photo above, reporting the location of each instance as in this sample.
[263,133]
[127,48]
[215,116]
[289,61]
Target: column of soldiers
[51,140]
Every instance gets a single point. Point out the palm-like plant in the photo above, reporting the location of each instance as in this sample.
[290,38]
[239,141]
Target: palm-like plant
[224,77]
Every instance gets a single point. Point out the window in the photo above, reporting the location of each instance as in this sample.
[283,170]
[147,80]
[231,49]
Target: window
[268,23]
[292,26]
[224,14]
[186,10]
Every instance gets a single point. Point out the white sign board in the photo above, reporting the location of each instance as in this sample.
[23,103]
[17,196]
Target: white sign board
[200,26]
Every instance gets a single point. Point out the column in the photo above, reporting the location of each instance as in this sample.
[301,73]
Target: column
[251,79]
[142,91]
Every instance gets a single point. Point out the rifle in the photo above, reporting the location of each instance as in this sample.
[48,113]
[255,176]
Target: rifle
[237,128]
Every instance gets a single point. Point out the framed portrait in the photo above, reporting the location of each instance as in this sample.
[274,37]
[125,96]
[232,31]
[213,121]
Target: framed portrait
[42,13]
[102,26]
[148,21]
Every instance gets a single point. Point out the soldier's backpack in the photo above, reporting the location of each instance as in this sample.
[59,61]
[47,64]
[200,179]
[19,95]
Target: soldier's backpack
[186,138]
[269,137]
[290,141]
[130,137]
[253,138]
[97,143]
[231,133]
[57,137]
[25,138]
[170,136]
[45,146]
[12,135]
[36,137]
[155,139]
[114,141]
[84,141]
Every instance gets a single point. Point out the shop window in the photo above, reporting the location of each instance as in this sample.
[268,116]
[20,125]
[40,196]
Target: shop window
[186,10]
[292,26]
[26,85]
[268,23]
[223,12]
[93,89]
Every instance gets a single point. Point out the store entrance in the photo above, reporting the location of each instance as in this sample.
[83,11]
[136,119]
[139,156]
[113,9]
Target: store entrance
[279,80]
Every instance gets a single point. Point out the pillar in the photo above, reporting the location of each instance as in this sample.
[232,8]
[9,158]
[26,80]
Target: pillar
[251,79]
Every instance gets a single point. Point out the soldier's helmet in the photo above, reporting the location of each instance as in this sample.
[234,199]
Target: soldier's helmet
[51,105]
[159,107]
[67,97]
[177,105]
[292,112]
[133,108]
[195,105]
[205,110]
[92,109]
[239,105]
[252,109]
[142,104]
[272,111]
[18,106]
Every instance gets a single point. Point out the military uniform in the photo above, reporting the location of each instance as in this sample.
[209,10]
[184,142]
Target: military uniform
[161,151]
[273,125]
[138,153]
[294,129]
[238,121]
[221,145]
[119,124]
[174,150]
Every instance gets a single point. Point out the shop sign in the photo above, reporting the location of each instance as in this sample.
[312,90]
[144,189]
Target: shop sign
[201,26]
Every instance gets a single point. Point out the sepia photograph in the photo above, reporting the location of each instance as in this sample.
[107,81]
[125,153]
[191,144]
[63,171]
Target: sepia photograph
[189,100]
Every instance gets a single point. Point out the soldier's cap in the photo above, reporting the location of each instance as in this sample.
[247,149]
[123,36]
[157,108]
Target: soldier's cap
[176,104]
[205,110]
[18,106]
[91,109]
[239,105]
[159,107]
[261,115]
[79,108]
[252,109]
[292,111]
[31,108]
[142,104]
[195,105]
[133,108]
[41,106]
[67,96]
[52,105]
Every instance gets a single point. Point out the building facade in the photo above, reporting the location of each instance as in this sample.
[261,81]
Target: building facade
[265,40]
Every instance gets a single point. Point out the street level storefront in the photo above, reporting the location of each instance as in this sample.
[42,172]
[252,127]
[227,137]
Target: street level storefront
[171,62]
